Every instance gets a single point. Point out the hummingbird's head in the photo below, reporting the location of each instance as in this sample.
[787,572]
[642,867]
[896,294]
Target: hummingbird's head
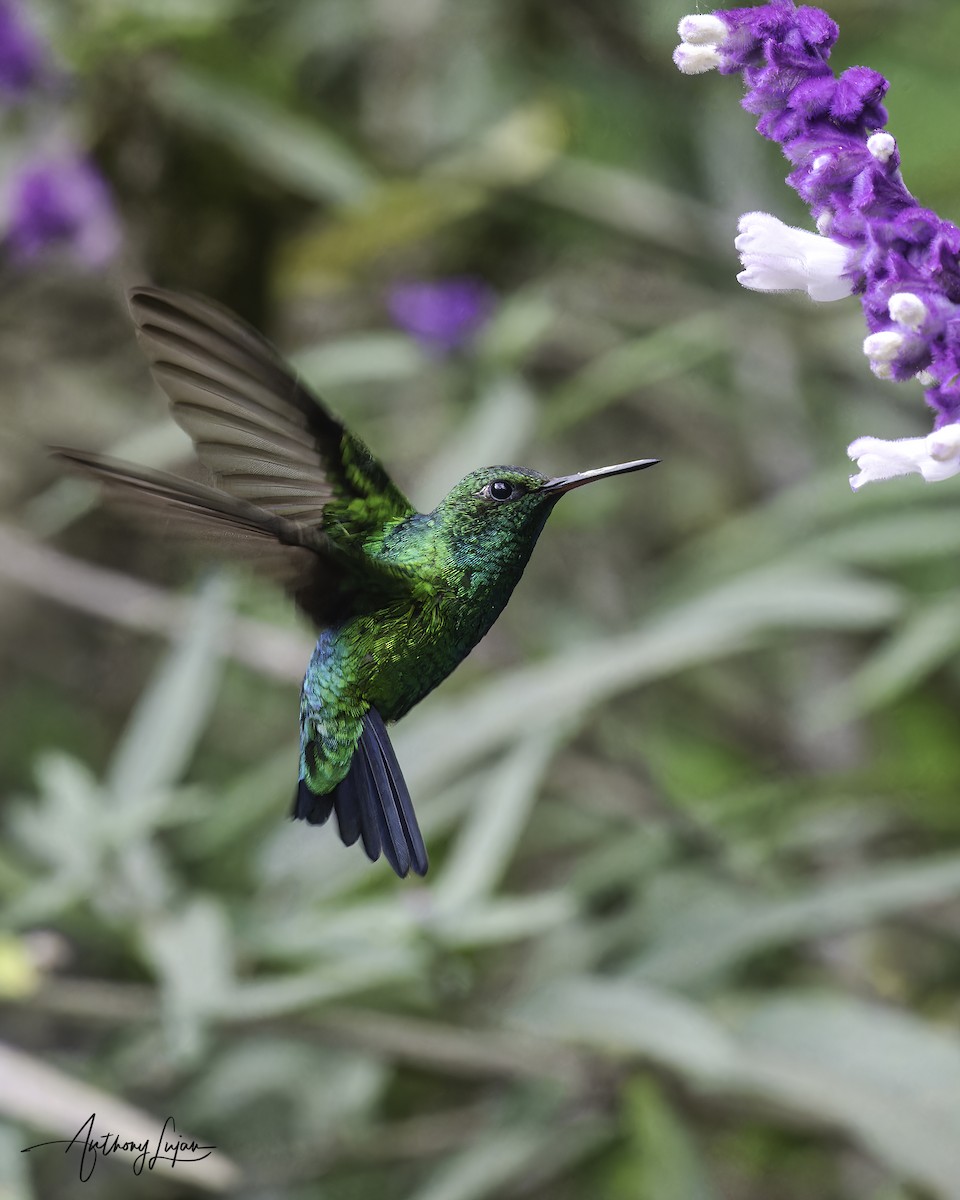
[498,512]
[497,504]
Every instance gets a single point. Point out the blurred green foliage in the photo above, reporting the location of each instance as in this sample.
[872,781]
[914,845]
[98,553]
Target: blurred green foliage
[692,928]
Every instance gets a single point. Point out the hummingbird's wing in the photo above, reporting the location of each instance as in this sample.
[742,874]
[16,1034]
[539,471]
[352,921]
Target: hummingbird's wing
[183,508]
[287,468]
[263,434]
[372,803]
[327,581]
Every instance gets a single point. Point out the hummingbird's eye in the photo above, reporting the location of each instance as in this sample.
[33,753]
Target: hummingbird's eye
[499,489]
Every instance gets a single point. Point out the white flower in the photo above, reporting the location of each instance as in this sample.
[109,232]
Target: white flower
[883,347]
[700,36]
[881,146]
[907,310]
[702,30]
[935,457]
[926,379]
[695,60]
[779,258]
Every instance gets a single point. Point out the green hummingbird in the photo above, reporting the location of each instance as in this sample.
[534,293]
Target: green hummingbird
[399,597]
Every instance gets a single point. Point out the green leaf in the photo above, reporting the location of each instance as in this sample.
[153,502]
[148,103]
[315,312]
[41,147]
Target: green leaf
[886,1078]
[718,623]
[170,716]
[393,216]
[14,1167]
[192,954]
[509,919]
[496,1159]
[709,938]
[137,24]
[634,1019]
[515,151]
[927,640]
[284,1073]
[903,537]
[260,999]
[487,840]
[627,202]
[671,351]
[662,1161]
[516,329]
[292,150]
[364,358]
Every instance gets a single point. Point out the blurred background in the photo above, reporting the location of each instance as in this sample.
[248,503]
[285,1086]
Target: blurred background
[692,925]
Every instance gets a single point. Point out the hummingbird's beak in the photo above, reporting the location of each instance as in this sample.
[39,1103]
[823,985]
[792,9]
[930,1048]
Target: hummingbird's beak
[566,483]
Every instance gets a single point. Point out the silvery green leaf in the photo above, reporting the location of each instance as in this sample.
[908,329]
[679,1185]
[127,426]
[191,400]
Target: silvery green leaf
[888,1079]
[496,1158]
[170,716]
[191,951]
[634,1019]
[707,938]
[487,840]
[439,740]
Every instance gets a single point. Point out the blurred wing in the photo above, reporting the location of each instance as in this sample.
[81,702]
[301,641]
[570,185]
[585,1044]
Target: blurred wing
[267,439]
[326,581]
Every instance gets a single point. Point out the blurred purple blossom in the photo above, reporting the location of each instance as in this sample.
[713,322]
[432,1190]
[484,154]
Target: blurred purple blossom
[62,203]
[444,314]
[22,53]
[874,240]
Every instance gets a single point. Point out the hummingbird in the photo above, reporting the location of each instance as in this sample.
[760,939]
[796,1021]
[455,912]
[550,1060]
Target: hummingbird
[398,597]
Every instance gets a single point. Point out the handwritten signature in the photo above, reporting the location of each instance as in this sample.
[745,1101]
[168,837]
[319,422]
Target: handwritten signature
[170,1148]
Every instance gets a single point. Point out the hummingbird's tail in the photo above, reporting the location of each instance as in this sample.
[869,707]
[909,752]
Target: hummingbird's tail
[372,802]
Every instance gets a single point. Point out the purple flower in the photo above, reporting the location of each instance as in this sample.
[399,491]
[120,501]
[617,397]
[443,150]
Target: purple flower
[874,239]
[62,203]
[21,52]
[441,315]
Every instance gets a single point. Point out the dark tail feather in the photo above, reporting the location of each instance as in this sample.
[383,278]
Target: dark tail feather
[372,803]
[311,808]
[355,802]
[348,816]
[400,812]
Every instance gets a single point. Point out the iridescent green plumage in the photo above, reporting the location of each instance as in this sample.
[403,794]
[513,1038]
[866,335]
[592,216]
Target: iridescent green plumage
[400,597]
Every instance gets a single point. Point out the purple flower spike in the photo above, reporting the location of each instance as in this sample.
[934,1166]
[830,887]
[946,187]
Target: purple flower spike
[22,55]
[874,239]
[62,204]
[441,315]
